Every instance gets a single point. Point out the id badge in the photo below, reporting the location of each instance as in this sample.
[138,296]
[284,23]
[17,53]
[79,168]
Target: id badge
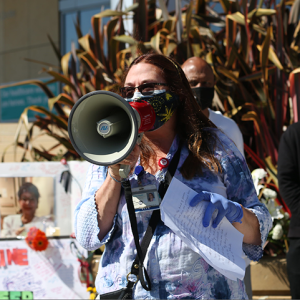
[145,198]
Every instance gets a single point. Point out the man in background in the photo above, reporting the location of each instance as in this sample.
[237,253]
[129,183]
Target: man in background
[201,78]
[289,187]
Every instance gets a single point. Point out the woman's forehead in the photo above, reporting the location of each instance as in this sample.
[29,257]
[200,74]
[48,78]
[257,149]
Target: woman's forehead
[144,72]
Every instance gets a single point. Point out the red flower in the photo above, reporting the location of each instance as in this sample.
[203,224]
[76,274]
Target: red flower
[63,161]
[40,243]
[36,239]
[32,232]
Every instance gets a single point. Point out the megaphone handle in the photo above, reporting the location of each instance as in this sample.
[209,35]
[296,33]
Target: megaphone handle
[124,171]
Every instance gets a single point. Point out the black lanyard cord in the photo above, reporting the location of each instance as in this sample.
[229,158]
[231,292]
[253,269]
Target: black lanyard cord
[137,266]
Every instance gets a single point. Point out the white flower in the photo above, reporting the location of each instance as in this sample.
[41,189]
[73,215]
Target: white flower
[257,175]
[286,216]
[269,194]
[277,232]
[259,187]
[273,209]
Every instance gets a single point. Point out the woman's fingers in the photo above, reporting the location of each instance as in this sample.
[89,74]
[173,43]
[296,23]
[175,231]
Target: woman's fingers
[198,198]
[208,214]
[130,160]
[218,218]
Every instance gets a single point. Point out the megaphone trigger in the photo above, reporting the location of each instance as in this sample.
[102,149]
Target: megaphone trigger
[139,139]
[124,171]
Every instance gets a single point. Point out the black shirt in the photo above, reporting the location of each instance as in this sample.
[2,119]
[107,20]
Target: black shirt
[289,175]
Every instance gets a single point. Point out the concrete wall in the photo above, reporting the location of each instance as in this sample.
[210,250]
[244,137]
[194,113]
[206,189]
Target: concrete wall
[24,26]
[7,136]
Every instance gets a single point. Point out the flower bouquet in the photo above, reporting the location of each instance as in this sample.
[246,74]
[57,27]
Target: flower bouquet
[36,239]
[268,194]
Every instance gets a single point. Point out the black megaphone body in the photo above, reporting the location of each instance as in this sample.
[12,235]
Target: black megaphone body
[104,128]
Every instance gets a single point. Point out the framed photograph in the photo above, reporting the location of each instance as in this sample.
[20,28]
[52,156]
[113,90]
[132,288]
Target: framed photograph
[49,189]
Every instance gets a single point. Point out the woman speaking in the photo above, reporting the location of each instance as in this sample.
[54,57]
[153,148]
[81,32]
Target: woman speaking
[206,161]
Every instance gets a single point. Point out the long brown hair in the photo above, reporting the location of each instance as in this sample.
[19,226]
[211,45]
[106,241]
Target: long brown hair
[190,120]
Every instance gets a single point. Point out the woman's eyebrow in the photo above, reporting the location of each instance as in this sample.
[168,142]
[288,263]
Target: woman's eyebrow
[142,82]
[129,84]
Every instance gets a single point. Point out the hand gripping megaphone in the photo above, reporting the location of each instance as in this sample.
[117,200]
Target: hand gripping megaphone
[104,127]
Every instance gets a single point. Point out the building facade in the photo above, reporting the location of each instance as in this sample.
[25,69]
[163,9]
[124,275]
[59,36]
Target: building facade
[26,52]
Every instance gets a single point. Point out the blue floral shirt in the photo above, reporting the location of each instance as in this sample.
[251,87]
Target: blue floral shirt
[174,269]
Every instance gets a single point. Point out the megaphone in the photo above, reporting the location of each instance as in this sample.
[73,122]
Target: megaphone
[104,127]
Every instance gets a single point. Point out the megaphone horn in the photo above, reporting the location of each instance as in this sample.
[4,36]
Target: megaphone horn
[104,128]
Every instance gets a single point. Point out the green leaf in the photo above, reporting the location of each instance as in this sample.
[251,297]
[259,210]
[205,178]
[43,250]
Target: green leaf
[227,73]
[96,25]
[155,42]
[257,75]
[85,42]
[63,79]
[272,57]
[61,98]
[65,63]
[264,53]
[126,39]
[200,7]
[240,19]
[77,27]
[141,29]
[113,44]
[225,5]
[42,63]
[60,121]
[295,12]
[188,18]
[110,13]
[261,12]
[55,48]
[209,19]
[164,9]
[132,7]
[171,48]
[200,21]
[170,24]
[257,86]
[237,17]
[63,141]
[252,5]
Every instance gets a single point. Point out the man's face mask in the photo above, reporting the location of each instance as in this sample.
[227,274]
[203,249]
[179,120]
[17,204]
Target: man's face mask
[163,102]
[204,96]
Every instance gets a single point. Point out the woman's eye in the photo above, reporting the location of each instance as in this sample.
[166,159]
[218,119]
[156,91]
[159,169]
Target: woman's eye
[193,83]
[129,92]
[148,89]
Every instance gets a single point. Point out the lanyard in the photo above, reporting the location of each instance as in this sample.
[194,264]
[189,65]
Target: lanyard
[137,266]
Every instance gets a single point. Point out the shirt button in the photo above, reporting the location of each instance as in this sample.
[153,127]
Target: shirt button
[134,251]
[155,280]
